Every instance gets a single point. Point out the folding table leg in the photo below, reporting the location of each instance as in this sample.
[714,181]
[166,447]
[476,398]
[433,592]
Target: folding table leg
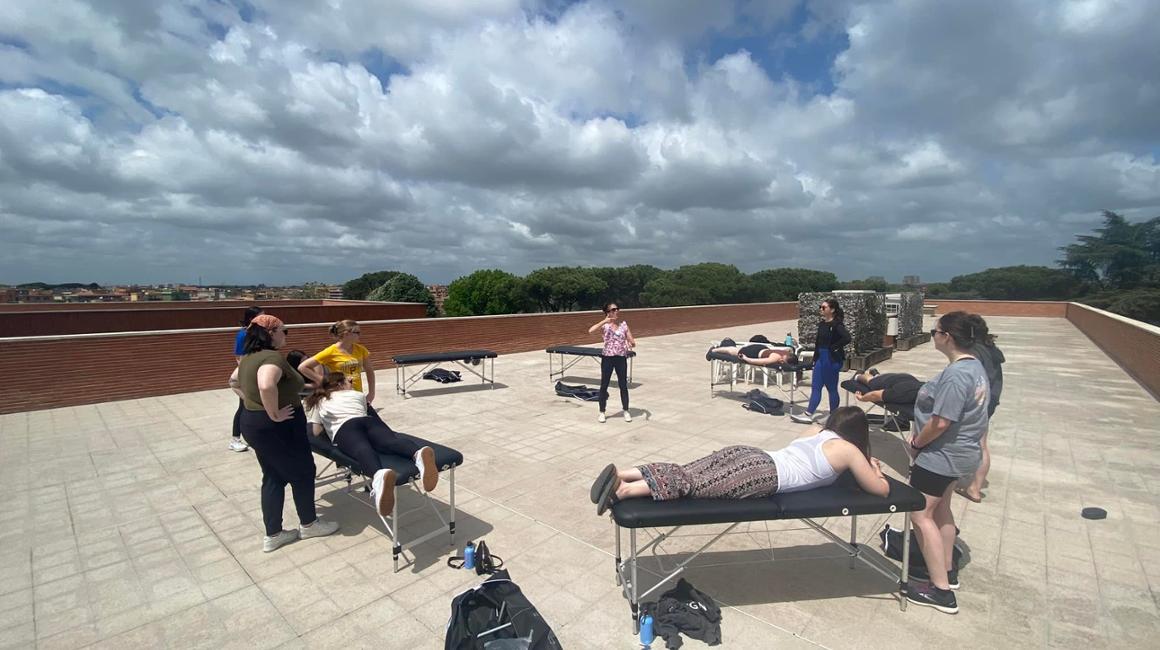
[634,587]
[616,531]
[902,583]
[854,539]
[396,548]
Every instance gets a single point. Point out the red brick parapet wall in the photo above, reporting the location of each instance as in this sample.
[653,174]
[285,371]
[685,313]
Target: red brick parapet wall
[1130,343]
[92,368]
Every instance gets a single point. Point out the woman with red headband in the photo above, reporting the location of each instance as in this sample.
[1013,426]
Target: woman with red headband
[274,425]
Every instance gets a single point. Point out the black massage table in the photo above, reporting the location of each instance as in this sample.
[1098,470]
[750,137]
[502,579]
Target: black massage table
[728,364]
[896,414]
[579,352]
[428,360]
[346,469]
[842,499]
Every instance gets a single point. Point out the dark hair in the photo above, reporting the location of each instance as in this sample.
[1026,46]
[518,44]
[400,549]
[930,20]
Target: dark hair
[608,305]
[257,338]
[328,385]
[250,313]
[295,358]
[965,329]
[835,308]
[851,425]
[759,338]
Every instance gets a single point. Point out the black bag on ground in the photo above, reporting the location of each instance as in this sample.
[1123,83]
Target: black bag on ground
[580,392]
[759,402]
[494,611]
[442,376]
[684,609]
[892,548]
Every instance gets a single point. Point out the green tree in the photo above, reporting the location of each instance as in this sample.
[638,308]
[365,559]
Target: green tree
[1121,255]
[625,283]
[404,287]
[564,288]
[869,284]
[489,291]
[709,283]
[781,285]
[1015,283]
[361,287]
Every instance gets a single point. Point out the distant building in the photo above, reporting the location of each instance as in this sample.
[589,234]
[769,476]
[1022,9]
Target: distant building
[911,280]
[9,295]
[34,295]
[334,292]
[439,291]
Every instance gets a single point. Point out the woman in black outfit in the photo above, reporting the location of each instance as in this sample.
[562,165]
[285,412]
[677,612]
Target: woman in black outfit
[830,355]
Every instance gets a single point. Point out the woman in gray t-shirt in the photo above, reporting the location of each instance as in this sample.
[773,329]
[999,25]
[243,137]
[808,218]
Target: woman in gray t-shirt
[951,416]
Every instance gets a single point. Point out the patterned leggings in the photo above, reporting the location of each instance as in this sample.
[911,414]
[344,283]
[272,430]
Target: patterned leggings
[737,472]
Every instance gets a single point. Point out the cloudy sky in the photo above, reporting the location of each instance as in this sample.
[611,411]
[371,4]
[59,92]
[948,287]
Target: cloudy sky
[283,141]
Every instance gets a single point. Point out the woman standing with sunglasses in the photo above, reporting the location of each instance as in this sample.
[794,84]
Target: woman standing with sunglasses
[618,342]
[951,418]
[347,356]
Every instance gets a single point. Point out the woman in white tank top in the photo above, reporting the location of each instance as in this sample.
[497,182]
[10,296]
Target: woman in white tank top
[739,472]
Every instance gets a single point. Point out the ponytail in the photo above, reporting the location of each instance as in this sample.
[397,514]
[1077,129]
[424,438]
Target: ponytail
[330,383]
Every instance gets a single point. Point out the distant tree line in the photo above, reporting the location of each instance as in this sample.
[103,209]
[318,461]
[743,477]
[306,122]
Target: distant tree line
[1117,268]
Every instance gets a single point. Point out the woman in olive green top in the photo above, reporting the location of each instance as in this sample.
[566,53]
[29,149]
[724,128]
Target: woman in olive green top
[274,425]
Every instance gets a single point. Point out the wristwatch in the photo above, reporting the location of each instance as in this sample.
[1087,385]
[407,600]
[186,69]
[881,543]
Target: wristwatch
[912,445]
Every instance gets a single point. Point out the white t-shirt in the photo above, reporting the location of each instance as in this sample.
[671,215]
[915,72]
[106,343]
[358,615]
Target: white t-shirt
[334,411]
[803,465]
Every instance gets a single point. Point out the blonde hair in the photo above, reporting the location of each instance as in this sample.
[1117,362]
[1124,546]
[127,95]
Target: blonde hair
[339,329]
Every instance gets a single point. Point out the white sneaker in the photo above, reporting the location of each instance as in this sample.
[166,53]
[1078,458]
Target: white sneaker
[319,528]
[627,416]
[383,491]
[428,471]
[278,541]
[237,444]
[802,418]
[600,418]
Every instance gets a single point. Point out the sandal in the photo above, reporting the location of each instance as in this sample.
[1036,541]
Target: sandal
[966,495]
[601,481]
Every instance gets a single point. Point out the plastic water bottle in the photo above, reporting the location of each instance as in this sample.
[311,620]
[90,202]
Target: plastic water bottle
[789,339]
[469,556]
[646,630]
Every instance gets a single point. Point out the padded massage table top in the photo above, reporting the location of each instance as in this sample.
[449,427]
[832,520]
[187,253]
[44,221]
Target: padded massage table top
[435,357]
[826,501]
[579,350]
[721,356]
[405,470]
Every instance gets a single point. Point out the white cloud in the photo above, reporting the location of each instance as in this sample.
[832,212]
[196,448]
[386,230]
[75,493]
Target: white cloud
[161,141]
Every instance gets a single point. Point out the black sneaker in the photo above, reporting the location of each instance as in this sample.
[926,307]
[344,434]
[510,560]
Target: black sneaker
[928,595]
[897,425]
[953,579]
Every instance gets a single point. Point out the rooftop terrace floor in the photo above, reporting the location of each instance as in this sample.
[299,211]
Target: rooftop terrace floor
[129,524]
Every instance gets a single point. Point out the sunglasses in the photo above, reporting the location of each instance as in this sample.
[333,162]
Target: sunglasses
[937,331]
[612,310]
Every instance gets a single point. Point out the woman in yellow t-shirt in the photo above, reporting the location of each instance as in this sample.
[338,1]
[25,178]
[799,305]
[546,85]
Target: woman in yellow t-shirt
[347,356]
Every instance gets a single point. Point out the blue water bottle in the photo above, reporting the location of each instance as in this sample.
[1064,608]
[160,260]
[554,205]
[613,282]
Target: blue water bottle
[469,556]
[646,630]
[789,339]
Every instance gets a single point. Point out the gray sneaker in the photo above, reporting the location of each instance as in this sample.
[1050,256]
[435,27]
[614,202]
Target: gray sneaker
[802,418]
[273,543]
[237,444]
[320,528]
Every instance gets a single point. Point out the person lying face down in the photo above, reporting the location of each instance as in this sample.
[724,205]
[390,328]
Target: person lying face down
[816,459]
[758,354]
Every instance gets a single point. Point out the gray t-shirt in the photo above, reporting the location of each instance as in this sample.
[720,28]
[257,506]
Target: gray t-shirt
[960,394]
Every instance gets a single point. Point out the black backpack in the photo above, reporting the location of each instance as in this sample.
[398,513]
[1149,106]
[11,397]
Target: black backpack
[758,402]
[442,376]
[496,610]
[892,548]
[580,392]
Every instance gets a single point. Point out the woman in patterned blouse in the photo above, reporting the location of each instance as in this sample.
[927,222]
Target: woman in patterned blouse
[618,342]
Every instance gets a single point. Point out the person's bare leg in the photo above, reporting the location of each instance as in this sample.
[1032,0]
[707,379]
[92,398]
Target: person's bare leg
[630,474]
[931,543]
[633,490]
[946,527]
[975,489]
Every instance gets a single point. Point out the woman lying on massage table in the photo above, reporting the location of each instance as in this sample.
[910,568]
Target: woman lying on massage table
[739,472]
[758,354]
[889,387]
[340,410]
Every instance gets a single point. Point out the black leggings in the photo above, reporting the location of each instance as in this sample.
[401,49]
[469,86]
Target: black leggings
[237,430]
[363,439]
[620,365]
[283,452]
